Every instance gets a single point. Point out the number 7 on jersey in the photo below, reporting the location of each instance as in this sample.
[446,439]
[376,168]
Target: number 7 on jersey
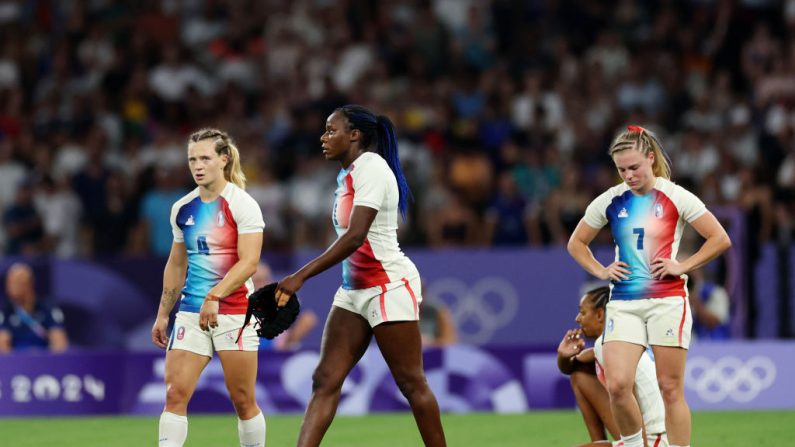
[640,233]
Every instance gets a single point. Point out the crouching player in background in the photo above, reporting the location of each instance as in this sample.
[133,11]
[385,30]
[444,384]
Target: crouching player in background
[588,379]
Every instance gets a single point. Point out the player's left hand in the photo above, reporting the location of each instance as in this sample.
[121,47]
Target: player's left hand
[662,267]
[286,288]
[208,315]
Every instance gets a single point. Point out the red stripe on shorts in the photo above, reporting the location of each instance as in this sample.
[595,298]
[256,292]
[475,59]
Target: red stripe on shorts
[657,442]
[413,297]
[682,323]
[383,304]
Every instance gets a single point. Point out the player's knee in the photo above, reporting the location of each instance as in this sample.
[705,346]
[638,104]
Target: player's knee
[410,383]
[244,407]
[176,394]
[325,380]
[671,388]
[243,401]
[619,387]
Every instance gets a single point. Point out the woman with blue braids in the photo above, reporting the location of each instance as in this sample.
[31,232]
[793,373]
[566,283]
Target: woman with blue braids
[381,291]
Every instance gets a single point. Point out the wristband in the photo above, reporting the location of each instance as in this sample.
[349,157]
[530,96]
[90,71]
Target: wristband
[211,297]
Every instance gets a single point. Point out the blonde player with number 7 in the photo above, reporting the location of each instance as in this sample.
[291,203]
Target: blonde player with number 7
[648,296]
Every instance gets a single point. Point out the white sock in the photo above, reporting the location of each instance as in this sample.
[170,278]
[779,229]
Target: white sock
[635,440]
[252,431]
[173,430]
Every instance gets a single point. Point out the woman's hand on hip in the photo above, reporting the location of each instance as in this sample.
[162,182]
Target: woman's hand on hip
[617,271]
[662,267]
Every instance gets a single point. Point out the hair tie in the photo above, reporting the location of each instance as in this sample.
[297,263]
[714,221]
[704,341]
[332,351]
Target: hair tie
[633,128]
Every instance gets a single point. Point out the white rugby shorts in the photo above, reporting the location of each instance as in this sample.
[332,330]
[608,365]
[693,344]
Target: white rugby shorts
[653,321]
[395,301]
[188,336]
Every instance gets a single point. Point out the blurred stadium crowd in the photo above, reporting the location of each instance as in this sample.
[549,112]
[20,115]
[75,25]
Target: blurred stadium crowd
[505,110]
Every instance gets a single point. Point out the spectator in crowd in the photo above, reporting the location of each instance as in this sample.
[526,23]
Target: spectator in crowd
[711,307]
[454,225]
[27,323]
[565,206]
[61,211]
[156,210]
[23,223]
[510,220]
[437,326]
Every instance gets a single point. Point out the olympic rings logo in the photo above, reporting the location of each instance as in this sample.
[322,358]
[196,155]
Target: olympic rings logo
[730,377]
[479,311]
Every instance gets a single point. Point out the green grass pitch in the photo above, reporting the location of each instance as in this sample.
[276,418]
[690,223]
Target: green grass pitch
[558,428]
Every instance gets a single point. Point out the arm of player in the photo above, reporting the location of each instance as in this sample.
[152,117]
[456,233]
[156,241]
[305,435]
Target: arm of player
[249,250]
[448,335]
[579,249]
[361,219]
[58,341]
[5,341]
[716,242]
[586,356]
[173,280]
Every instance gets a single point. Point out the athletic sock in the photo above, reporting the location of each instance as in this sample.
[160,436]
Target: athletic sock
[173,430]
[252,431]
[635,440]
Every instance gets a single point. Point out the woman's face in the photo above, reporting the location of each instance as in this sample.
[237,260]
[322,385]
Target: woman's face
[336,140]
[206,166]
[590,319]
[635,169]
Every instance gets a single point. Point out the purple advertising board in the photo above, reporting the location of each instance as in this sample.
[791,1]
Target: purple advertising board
[726,376]
[505,297]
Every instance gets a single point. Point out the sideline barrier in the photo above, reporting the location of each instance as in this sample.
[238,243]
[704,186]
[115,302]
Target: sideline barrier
[726,376]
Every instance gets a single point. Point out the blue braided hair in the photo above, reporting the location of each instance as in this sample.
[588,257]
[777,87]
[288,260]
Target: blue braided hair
[378,129]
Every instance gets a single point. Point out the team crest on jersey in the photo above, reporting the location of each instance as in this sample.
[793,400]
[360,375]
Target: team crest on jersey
[623,214]
[658,210]
[180,332]
[221,218]
[190,220]
[610,325]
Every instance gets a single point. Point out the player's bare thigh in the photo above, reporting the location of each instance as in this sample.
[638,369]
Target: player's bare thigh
[182,373]
[345,338]
[240,376]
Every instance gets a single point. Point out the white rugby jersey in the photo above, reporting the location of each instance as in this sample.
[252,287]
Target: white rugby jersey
[645,228]
[370,182]
[646,389]
[209,231]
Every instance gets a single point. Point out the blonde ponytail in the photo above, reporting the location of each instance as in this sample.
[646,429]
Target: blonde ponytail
[224,145]
[644,141]
[233,171]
